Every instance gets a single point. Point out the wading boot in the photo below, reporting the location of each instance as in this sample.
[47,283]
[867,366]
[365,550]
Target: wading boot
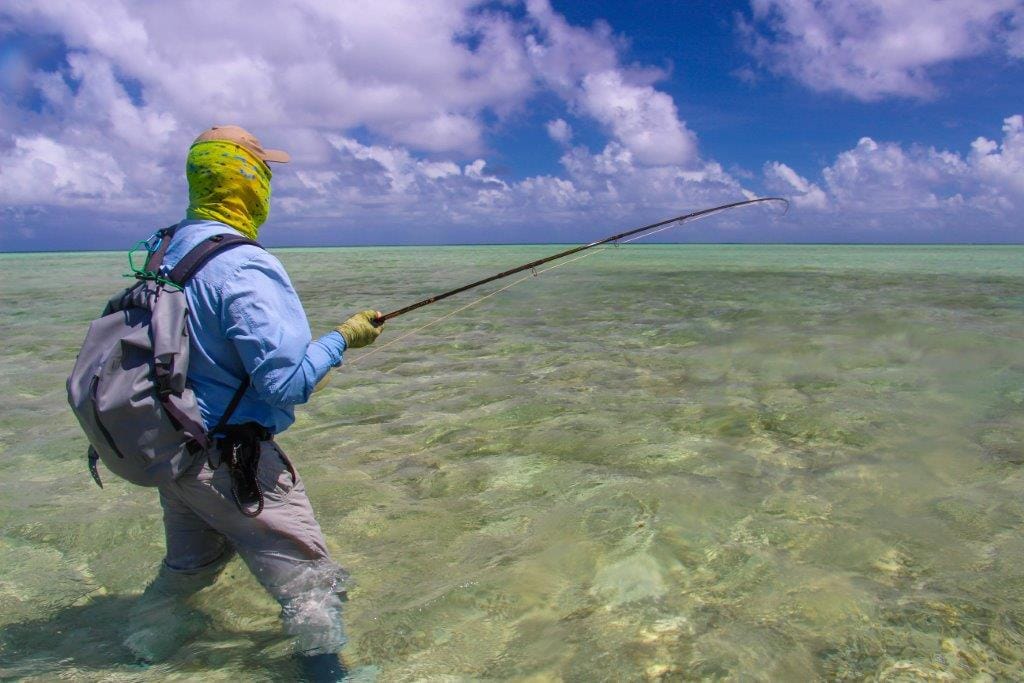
[326,668]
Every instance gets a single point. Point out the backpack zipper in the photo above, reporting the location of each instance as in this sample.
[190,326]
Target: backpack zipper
[99,423]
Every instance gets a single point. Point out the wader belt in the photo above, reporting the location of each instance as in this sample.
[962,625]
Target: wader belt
[239,447]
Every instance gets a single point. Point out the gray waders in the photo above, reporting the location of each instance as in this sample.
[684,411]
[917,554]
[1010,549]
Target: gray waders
[207,520]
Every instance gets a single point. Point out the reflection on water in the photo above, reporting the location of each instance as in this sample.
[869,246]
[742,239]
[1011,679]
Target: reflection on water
[662,463]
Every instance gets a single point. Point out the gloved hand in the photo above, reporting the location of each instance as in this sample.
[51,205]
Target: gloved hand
[359,331]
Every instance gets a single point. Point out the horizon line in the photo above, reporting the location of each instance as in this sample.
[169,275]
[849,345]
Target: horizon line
[541,244]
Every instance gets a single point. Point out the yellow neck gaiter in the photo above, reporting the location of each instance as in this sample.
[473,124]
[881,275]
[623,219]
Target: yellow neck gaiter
[227,183]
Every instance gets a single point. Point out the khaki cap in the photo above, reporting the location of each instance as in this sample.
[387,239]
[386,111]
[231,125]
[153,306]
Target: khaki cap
[243,138]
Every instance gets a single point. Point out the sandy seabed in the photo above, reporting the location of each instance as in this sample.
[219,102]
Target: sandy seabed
[660,463]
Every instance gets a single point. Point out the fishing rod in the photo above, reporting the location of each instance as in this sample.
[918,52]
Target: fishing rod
[568,252]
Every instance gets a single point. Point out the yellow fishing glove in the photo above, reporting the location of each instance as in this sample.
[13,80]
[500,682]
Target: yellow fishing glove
[359,330]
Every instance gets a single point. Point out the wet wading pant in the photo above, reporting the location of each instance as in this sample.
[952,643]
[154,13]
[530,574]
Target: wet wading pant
[282,546]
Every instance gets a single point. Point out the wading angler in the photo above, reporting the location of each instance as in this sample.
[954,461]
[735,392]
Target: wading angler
[186,378]
[182,385]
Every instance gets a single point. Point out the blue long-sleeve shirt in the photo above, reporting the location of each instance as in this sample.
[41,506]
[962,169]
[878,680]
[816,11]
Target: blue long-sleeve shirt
[246,319]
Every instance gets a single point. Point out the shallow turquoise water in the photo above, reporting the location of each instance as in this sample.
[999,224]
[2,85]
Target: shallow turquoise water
[663,462]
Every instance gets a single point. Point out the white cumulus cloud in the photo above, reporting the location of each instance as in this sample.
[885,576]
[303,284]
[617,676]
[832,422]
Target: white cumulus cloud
[999,166]
[642,119]
[919,189]
[875,48]
[803,193]
[583,67]
[559,131]
[38,170]
[884,176]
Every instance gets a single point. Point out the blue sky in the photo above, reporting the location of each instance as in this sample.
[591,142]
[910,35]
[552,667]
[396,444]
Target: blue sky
[521,121]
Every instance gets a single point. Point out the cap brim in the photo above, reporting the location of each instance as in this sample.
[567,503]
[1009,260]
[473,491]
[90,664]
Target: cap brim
[276,155]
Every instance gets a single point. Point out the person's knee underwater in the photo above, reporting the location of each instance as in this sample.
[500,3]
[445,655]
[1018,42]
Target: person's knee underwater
[252,359]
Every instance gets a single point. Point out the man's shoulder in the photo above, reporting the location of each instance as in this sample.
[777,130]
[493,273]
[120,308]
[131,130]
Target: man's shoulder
[227,264]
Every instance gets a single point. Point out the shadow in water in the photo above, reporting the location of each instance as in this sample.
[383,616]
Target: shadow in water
[88,639]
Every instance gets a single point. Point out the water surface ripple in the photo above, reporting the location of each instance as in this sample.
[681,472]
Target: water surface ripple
[661,463]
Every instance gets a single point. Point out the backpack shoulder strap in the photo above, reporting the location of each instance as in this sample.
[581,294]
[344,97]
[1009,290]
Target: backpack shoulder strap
[200,254]
[236,398]
[182,272]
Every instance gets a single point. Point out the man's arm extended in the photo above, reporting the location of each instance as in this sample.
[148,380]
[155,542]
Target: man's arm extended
[262,315]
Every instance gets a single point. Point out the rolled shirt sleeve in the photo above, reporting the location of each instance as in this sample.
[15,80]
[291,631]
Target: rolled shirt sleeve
[264,319]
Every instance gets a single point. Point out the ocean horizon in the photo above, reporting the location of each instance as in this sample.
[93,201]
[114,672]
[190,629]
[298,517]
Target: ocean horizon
[562,244]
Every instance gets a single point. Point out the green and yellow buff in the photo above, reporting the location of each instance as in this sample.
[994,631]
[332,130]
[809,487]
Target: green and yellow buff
[227,183]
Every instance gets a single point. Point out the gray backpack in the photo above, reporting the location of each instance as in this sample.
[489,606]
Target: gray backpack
[129,386]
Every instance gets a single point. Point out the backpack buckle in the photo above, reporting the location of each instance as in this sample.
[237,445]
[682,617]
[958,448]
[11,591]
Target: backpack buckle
[162,381]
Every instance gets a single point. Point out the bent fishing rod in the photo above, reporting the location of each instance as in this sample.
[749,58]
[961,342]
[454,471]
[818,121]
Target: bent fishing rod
[575,250]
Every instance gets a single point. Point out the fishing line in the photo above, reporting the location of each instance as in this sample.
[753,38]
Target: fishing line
[602,246]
